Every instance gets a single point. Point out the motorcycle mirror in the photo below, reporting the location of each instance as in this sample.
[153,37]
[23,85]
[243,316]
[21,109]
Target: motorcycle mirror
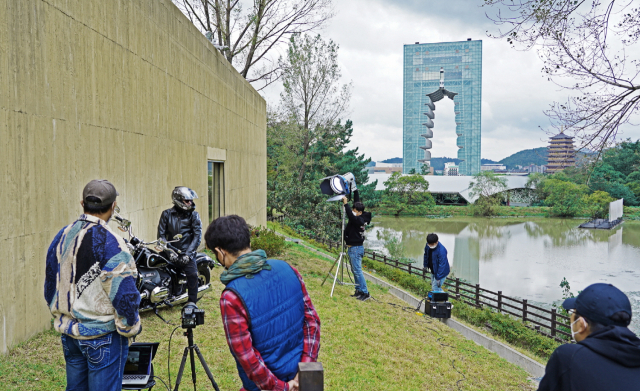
[177,237]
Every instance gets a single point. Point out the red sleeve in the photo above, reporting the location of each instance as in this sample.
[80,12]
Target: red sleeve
[234,319]
[311,326]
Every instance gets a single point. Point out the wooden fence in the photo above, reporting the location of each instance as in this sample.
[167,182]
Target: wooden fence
[546,322]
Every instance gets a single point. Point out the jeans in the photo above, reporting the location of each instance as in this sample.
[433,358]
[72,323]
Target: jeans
[95,364]
[436,286]
[355,255]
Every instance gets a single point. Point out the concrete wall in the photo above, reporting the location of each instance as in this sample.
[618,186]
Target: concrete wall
[126,90]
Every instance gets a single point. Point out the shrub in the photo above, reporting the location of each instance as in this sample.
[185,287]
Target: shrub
[267,240]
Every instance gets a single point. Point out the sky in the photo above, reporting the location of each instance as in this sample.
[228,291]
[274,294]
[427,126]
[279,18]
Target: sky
[371,35]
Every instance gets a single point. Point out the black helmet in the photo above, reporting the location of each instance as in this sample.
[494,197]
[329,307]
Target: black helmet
[181,194]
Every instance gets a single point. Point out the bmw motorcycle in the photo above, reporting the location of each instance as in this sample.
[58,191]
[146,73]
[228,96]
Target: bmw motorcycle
[160,282]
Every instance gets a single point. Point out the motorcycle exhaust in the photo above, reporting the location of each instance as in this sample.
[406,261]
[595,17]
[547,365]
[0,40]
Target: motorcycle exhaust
[183,298]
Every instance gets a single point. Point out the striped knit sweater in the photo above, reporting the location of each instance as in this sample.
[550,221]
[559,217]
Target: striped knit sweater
[90,282]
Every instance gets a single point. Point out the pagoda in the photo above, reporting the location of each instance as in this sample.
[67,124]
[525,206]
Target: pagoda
[561,153]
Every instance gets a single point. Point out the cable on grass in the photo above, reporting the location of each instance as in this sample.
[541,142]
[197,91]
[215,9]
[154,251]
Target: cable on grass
[169,355]
[438,340]
[165,384]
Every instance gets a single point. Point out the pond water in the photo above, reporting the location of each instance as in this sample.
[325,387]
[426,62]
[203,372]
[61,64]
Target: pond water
[526,258]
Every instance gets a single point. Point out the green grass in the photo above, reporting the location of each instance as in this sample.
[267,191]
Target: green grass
[373,345]
[505,327]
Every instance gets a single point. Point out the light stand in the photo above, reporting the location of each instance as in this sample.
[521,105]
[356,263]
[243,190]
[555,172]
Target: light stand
[189,350]
[340,261]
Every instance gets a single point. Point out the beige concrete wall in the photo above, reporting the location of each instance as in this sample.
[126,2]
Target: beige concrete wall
[126,90]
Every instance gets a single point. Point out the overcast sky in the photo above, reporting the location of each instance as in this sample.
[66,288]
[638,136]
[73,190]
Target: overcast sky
[371,35]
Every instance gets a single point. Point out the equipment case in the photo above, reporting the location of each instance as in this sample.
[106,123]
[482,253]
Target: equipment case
[440,310]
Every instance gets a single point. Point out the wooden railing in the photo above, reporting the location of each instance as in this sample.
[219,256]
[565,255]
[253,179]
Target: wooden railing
[547,322]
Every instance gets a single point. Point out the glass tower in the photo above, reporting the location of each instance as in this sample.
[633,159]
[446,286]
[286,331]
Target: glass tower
[426,65]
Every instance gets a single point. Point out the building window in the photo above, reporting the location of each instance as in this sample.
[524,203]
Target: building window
[216,189]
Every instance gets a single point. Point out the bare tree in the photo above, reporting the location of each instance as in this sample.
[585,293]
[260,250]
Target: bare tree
[312,100]
[589,48]
[249,36]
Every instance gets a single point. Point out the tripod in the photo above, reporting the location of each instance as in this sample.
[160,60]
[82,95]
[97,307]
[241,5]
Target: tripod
[340,262]
[189,349]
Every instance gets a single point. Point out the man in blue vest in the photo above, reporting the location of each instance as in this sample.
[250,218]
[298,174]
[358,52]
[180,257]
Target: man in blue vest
[270,322]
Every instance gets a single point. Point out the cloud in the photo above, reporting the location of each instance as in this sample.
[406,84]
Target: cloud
[371,35]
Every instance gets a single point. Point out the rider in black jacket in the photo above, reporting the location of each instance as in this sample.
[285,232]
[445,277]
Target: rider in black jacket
[183,219]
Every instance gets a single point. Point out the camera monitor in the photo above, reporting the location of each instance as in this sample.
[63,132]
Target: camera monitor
[138,368]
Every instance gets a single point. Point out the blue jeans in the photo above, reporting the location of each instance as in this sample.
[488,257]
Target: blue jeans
[436,286]
[355,255]
[95,364]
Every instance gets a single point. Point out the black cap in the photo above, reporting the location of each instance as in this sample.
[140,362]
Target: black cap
[598,302]
[101,189]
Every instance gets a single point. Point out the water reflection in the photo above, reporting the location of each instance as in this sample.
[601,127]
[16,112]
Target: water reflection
[525,257]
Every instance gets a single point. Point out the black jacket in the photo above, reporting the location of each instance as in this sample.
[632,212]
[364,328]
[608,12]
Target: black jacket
[608,359]
[354,231]
[174,221]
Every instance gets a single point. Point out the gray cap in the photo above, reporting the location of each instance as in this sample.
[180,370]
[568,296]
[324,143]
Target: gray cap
[102,189]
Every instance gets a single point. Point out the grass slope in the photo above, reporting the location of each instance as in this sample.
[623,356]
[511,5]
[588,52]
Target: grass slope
[373,345]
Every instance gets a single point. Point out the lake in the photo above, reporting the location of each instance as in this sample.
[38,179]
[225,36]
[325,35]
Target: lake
[527,257]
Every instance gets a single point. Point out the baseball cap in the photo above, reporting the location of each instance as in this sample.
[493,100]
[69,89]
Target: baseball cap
[101,189]
[598,302]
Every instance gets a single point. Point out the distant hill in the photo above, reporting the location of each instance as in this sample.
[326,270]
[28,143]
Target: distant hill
[537,156]
[393,160]
[487,161]
[438,162]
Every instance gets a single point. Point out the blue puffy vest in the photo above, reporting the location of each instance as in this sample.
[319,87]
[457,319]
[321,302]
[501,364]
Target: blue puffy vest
[275,305]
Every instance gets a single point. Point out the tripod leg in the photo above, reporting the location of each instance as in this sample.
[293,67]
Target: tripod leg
[206,368]
[328,274]
[336,276]
[193,367]
[184,361]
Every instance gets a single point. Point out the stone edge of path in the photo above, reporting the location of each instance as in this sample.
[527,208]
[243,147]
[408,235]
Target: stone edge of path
[534,368]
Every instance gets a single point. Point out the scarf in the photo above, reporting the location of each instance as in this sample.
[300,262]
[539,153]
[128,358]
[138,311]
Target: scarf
[246,265]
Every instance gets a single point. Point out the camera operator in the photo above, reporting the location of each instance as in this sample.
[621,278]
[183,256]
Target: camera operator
[269,320]
[183,219]
[606,355]
[354,239]
[90,287]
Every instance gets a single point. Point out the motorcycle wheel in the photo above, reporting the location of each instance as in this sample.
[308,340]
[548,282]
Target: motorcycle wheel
[204,274]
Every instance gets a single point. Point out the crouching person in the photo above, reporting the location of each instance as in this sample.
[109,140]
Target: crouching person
[269,320]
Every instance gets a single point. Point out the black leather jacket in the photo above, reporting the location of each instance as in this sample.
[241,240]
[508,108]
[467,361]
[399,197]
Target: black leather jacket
[174,221]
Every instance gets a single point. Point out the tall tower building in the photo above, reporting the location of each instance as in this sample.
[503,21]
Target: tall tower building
[562,154]
[436,71]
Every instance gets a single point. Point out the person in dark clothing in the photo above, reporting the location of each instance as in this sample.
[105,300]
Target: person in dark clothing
[606,355]
[354,238]
[184,220]
[435,260]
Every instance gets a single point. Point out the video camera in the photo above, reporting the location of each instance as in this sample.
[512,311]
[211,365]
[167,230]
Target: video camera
[192,317]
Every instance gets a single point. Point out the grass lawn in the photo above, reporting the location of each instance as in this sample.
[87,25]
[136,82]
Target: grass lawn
[373,345]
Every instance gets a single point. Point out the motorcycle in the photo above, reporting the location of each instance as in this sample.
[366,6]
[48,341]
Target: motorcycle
[160,282]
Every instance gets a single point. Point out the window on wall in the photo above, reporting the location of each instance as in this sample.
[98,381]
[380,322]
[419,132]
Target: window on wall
[216,189]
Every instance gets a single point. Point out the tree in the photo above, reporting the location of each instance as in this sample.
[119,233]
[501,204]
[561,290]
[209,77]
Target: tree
[424,170]
[406,194]
[596,204]
[250,35]
[590,45]
[487,185]
[312,99]
[564,198]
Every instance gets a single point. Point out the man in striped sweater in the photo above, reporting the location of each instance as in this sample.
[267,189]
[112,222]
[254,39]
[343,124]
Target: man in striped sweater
[90,287]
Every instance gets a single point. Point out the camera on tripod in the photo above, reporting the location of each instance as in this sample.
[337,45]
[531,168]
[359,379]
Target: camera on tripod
[192,317]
